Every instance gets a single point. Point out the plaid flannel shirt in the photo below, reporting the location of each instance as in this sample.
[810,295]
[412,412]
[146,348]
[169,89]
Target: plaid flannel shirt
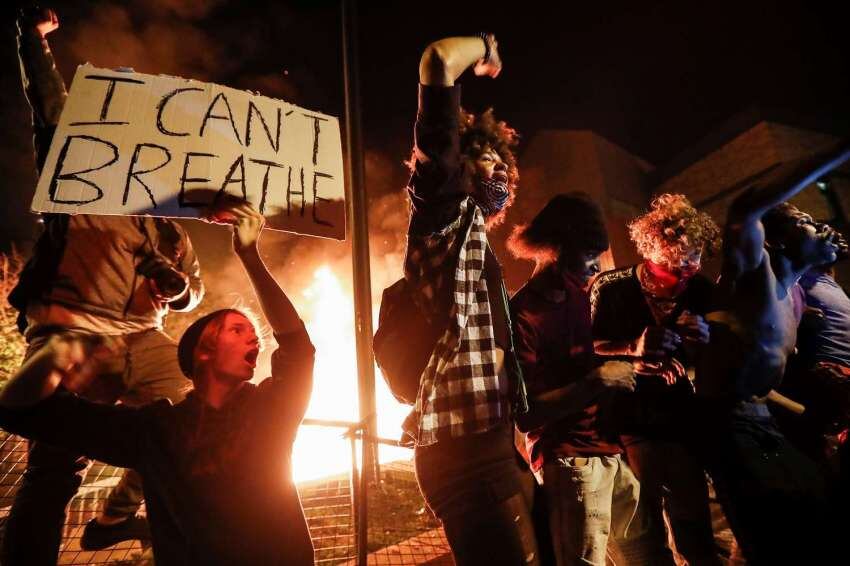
[460,392]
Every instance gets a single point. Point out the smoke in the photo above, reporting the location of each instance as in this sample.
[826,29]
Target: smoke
[184,9]
[112,37]
[210,40]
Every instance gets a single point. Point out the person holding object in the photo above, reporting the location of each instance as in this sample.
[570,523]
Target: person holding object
[590,491]
[98,276]
[653,314]
[463,179]
[216,467]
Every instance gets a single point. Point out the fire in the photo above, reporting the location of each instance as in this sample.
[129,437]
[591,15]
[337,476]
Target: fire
[328,311]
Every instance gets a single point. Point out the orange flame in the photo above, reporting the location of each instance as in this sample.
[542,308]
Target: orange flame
[328,311]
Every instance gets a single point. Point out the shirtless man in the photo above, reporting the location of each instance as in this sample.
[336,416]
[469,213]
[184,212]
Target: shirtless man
[771,493]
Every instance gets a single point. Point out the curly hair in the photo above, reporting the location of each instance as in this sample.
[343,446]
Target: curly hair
[478,132]
[672,228]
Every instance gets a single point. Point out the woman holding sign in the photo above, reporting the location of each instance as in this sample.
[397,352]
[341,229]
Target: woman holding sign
[464,176]
[216,467]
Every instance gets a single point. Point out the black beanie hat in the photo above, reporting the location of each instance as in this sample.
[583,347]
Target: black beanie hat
[190,338]
[571,220]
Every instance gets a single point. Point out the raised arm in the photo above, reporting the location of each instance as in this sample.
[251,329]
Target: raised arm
[292,362]
[445,60]
[436,184]
[744,233]
[247,226]
[43,85]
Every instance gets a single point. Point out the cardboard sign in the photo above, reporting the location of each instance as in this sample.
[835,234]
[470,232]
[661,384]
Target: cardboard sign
[134,144]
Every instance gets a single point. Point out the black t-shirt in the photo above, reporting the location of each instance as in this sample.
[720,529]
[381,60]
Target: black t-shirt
[620,312]
[217,482]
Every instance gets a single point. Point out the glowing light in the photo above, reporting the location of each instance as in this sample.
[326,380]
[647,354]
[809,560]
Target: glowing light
[328,311]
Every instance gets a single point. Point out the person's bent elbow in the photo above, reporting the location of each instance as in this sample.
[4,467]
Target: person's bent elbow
[434,64]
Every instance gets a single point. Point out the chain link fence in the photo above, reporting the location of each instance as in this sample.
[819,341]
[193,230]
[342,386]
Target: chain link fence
[401,530]
[99,479]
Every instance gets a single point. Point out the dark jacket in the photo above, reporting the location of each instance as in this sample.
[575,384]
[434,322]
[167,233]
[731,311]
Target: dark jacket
[218,482]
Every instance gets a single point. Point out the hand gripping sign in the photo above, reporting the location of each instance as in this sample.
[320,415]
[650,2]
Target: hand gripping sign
[135,144]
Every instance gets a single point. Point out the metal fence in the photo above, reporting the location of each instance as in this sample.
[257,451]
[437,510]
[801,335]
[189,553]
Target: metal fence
[401,530]
[98,480]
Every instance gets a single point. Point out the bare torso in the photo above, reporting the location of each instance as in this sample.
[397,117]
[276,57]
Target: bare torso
[751,337]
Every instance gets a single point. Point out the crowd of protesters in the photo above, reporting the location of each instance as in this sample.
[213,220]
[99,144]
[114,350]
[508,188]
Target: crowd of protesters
[582,421]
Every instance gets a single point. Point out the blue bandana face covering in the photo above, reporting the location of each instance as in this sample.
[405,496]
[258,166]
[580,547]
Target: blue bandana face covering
[493,196]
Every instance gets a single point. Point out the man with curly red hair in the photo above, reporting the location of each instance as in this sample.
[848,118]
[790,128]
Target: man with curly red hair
[652,314]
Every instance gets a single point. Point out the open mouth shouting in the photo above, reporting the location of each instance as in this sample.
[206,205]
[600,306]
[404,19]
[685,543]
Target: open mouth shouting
[251,356]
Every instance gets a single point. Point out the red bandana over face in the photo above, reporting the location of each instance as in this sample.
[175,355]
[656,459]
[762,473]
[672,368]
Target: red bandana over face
[662,286]
[660,281]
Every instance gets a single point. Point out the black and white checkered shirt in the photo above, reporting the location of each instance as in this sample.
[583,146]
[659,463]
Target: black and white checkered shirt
[460,391]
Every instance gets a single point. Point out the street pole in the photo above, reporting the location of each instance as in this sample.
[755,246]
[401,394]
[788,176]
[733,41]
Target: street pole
[358,223]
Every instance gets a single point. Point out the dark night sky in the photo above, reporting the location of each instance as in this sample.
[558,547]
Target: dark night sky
[652,77]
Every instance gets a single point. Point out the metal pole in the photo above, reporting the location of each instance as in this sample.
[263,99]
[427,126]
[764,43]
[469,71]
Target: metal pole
[359,229]
[355,495]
